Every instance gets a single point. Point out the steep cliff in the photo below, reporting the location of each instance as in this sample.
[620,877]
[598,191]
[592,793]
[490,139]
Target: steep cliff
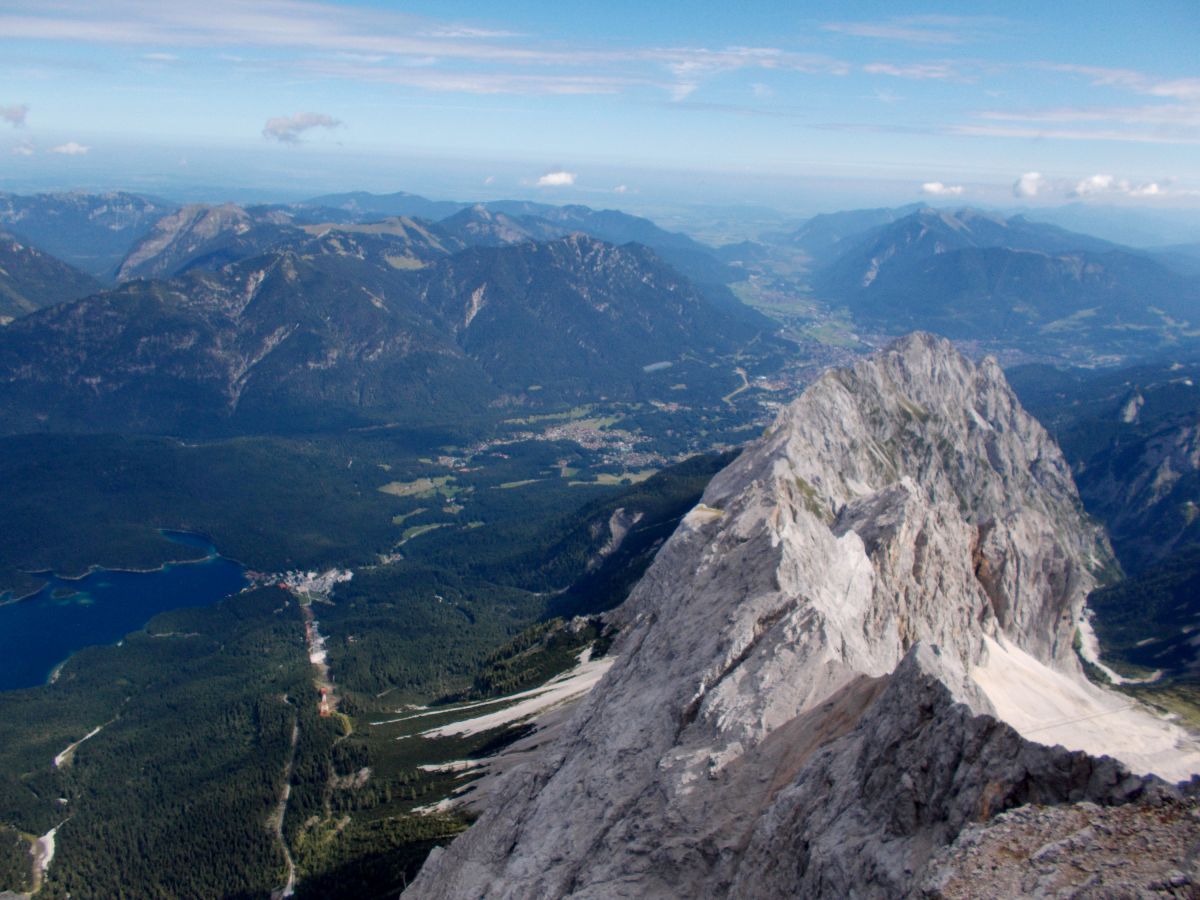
[827,672]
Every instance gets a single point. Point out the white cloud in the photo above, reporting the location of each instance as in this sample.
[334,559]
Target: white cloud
[489,179]
[1098,184]
[160,57]
[1028,185]
[937,189]
[1033,184]
[23,149]
[287,129]
[70,148]
[1109,184]
[762,90]
[14,115]
[620,189]
[559,178]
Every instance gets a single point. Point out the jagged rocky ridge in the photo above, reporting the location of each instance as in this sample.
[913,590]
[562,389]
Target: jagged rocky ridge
[811,675]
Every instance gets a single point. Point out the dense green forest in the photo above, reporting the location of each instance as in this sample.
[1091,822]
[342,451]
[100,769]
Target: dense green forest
[423,625]
[74,501]
[175,794]
[170,796]
[1146,620]
[15,869]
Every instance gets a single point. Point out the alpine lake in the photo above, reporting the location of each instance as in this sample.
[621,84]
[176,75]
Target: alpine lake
[40,632]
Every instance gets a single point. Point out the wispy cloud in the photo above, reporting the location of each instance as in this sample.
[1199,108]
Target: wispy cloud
[913,71]
[25,148]
[467,31]
[920,29]
[14,115]
[1074,134]
[690,66]
[70,148]
[1132,80]
[938,189]
[557,178]
[1174,114]
[378,44]
[1170,113]
[287,129]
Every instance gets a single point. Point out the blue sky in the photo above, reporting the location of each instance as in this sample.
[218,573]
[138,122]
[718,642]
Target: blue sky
[796,105]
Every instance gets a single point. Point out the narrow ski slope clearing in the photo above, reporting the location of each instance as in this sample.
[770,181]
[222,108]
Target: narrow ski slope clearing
[280,813]
[452,746]
[514,708]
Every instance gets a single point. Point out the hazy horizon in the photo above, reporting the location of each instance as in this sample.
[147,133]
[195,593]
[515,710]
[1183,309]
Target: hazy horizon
[643,108]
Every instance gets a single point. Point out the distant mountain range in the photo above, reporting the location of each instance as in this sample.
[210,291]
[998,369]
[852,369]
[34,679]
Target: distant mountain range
[211,236]
[365,326]
[31,279]
[120,236]
[92,232]
[1009,282]
[1003,283]
[822,237]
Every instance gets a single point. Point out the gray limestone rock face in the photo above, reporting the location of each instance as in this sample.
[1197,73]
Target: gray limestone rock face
[793,711]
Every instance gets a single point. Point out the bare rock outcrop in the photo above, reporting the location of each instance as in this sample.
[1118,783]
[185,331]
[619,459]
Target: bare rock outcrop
[819,677]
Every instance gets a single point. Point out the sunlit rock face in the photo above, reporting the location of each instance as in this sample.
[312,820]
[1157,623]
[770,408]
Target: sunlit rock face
[814,675]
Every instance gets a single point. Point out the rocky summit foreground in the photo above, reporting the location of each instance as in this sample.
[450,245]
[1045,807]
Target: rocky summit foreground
[859,644]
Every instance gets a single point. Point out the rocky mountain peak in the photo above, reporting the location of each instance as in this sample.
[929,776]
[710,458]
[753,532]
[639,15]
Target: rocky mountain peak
[827,661]
[929,460]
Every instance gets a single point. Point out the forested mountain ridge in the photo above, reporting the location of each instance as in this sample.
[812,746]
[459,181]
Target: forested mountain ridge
[31,279]
[334,332]
[92,232]
[1008,283]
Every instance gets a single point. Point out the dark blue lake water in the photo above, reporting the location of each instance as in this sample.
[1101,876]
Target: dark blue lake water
[67,615]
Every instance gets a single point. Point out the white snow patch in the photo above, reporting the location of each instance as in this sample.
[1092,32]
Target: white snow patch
[442,806]
[562,689]
[1052,707]
[458,765]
